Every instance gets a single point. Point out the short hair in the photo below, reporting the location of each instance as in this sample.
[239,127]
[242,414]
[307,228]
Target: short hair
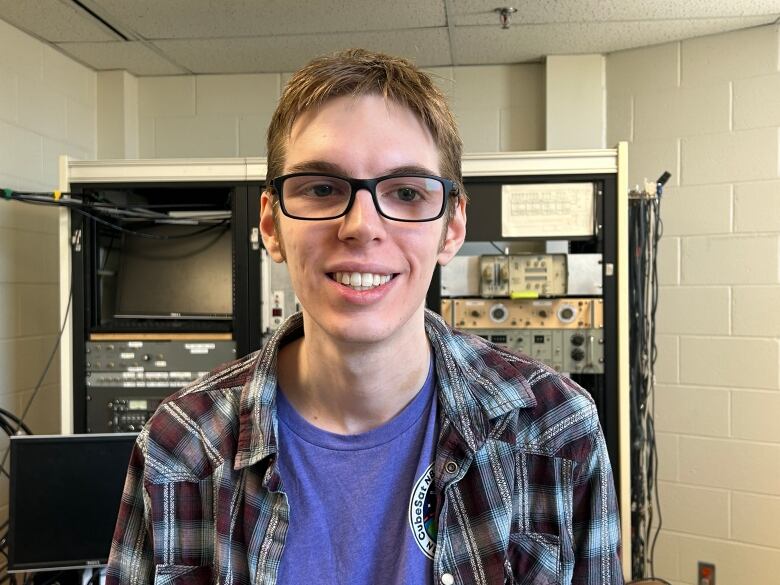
[358,72]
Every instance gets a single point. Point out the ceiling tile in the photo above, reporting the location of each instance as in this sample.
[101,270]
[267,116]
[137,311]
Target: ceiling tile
[426,47]
[256,36]
[54,21]
[478,45]
[482,12]
[132,56]
[192,19]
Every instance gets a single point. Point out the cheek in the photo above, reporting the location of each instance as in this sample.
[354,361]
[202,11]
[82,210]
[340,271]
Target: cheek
[422,250]
[304,250]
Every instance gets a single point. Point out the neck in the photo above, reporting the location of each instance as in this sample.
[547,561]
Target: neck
[348,387]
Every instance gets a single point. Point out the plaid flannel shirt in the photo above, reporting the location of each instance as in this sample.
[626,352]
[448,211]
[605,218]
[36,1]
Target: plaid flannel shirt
[524,486]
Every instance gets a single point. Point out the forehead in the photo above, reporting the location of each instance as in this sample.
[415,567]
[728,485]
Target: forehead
[365,134]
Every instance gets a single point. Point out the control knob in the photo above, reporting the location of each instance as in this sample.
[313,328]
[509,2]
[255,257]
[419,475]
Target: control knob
[567,314]
[498,313]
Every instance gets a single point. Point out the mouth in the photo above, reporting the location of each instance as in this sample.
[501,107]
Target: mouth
[361,280]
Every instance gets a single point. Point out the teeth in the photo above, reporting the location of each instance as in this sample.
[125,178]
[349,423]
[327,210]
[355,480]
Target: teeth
[361,280]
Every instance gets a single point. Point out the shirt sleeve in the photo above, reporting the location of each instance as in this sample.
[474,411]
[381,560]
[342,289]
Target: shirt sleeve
[596,520]
[131,560]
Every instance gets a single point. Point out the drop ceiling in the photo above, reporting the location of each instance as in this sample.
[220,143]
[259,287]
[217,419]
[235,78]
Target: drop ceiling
[169,37]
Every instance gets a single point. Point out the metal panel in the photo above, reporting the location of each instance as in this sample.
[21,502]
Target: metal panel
[549,162]
[161,170]
[460,278]
[584,274]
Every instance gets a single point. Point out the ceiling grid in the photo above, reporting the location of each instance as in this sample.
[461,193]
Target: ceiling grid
[270,36]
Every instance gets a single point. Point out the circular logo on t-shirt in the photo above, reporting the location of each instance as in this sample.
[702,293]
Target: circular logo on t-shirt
[422,513]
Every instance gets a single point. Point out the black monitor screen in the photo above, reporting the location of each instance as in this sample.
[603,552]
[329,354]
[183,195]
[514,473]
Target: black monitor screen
[189,275]
[64,499]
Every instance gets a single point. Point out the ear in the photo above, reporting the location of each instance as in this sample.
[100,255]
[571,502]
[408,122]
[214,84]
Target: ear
[455,234]
[272,239]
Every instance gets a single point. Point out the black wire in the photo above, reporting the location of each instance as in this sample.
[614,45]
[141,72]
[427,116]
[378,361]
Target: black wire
[499,249]
[639,220]
[146,235]
[45,370]
[637,394]
[645,231]
[8,429]
[658,232]
[79,207]
[16,419]
[6,426]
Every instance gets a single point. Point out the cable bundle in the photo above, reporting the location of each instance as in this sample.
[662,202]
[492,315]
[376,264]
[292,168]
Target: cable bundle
[116,216]
[645,231]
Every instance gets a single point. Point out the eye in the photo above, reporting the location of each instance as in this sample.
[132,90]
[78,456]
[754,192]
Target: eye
[321,190]
[316,187]
[407,194]
[412,190]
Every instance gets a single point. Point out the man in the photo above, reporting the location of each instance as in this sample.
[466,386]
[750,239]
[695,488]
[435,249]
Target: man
[368,442]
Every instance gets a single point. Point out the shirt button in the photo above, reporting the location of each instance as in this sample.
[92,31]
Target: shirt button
[447,579]
[450,467]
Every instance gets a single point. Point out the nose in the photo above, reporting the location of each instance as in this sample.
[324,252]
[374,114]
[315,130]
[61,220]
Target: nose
[362,222]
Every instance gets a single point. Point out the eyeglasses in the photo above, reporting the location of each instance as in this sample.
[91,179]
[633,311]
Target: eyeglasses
[319,196]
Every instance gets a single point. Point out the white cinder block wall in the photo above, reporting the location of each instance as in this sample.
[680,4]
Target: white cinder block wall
[499,108]
[708,110]
[47,108]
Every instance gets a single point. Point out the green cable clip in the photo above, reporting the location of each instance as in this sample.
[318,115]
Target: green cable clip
[7,193]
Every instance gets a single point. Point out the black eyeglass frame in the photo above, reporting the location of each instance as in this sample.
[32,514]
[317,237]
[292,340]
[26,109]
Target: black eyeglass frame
[450,190]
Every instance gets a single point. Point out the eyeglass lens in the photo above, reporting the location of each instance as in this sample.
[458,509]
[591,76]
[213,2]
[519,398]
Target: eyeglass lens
[405,198]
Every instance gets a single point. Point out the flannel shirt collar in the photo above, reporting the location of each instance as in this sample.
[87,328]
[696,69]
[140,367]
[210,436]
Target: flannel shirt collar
[476,386]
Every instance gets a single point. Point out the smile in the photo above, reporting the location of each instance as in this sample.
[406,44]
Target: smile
[360,280]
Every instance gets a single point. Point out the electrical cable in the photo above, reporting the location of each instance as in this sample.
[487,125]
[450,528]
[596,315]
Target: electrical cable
[645,231]
[13,417]
[147,235]
[43,374]
[137,233]
[657,232]
[94,209]
[502,252]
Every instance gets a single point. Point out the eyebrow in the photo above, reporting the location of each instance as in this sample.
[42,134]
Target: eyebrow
[321,166]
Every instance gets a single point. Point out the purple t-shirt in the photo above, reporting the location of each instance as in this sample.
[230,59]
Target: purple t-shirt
[362,507]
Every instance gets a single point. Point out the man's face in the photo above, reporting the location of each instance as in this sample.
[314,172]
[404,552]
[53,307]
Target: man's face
[363,137]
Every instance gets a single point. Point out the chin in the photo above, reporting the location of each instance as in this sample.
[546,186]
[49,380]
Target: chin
[359,331]
[362,327]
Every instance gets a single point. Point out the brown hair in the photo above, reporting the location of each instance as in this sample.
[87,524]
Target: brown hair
[357,72]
